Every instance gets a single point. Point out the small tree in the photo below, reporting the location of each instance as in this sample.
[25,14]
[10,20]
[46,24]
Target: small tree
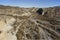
[39,11]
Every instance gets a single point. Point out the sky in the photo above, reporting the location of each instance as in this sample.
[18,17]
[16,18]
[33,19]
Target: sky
[31,3]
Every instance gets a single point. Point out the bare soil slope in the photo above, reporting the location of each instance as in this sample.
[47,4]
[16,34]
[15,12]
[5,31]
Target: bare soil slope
[29,23]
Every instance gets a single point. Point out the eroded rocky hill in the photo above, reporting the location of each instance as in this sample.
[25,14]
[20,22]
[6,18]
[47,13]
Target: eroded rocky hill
[29,23]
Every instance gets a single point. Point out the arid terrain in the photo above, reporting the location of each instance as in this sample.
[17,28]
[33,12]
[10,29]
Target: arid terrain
[17,23]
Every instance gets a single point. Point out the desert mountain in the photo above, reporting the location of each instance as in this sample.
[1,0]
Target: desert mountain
[29,23]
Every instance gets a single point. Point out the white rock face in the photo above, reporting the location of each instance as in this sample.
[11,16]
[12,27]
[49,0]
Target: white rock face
[6,31]
[43,13]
